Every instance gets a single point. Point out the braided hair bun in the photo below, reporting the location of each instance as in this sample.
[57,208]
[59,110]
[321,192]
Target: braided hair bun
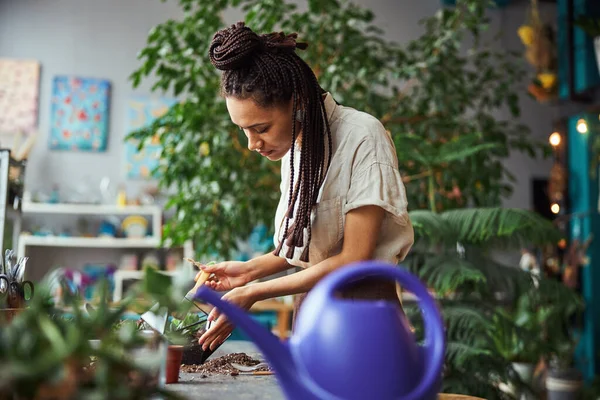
[233,47]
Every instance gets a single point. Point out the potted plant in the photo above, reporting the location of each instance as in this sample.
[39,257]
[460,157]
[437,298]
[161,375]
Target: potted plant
[76,351]
[563,380]
[188,330]
[517,334]
[591,26]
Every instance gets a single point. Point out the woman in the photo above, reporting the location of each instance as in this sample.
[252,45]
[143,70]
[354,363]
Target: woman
[342,197]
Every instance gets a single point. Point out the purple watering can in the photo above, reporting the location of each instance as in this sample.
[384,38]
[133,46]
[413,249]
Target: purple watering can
[348,349]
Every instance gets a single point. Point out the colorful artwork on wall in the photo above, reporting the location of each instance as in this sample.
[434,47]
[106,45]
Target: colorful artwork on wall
[79,115]
[141,112]
[19,95]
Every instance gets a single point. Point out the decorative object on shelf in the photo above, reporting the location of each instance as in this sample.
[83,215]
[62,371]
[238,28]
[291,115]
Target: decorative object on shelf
[540,43]
[107,192]
[19,95]
[96,272]
[108,227]
[141,113]
[135,227]
[122,196]
[591,26]
[79,114]
[128,262]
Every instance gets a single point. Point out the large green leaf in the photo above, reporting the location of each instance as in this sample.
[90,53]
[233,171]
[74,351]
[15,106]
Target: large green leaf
[501,227]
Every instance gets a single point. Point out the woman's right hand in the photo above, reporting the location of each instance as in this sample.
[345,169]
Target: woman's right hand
[226,275]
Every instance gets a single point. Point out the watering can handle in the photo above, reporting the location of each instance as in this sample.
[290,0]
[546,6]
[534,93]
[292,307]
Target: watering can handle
[434,326]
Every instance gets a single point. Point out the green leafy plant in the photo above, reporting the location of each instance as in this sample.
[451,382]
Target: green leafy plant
[434,98]
[184,331]
[78,351]
[491,310]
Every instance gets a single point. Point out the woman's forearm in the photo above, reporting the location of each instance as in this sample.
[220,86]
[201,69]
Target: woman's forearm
[299,282]
[267,264]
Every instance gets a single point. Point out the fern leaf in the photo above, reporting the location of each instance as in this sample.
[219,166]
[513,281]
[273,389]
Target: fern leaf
[502,227]
[459,352]
[464,322]
[430,226]
[447,273]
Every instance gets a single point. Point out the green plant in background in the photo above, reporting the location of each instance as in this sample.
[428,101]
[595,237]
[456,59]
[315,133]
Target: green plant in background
[84,352]
[486,322]
[428,89]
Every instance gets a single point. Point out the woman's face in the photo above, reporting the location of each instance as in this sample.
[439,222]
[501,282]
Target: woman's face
[269,130]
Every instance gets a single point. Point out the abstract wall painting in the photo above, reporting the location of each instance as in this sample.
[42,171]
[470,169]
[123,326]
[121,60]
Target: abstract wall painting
[19,95]
[141,112]
[79,114]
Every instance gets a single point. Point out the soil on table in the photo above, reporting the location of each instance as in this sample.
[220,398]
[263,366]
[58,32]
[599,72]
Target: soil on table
[222,365]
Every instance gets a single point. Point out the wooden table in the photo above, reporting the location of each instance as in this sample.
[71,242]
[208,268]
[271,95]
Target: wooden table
[243,387]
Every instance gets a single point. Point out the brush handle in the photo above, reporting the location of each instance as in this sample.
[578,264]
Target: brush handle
[201,280]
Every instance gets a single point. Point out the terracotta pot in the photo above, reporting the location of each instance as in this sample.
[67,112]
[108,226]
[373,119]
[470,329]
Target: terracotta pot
[174,355]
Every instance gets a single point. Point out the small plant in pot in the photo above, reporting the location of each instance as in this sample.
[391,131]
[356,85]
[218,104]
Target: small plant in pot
[191,328]
[517,340]
[563,380]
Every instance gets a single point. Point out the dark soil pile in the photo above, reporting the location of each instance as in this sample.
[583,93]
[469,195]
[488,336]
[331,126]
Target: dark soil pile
[222,365]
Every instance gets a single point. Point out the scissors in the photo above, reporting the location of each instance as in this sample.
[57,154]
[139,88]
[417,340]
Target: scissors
[15,293]
[4,285]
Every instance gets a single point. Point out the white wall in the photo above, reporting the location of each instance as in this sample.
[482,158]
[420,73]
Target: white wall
[101,39]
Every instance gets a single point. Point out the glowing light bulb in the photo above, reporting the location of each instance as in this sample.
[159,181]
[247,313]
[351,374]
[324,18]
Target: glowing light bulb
[582,126]
[555,208]
[555,139]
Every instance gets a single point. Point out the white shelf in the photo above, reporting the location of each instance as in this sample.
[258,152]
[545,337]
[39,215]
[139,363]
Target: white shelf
[113,243]
[87,209]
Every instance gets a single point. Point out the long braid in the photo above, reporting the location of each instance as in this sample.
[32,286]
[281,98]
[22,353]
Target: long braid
[267,69]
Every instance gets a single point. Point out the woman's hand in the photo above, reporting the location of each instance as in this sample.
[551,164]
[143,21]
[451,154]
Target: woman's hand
[227,275]
[221,328]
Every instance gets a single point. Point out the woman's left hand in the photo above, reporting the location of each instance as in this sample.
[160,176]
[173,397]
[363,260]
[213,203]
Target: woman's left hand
[221,328]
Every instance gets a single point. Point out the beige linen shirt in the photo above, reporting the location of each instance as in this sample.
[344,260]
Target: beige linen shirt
[363,171]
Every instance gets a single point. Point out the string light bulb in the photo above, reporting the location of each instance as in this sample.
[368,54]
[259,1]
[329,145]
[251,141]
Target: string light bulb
[582,126]
[555,139]
[555,208]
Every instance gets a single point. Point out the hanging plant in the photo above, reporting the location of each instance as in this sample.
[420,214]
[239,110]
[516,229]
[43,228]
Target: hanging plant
[540,52]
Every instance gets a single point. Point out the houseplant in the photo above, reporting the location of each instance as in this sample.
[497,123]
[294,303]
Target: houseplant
[77,352]
[433,90]
[452,254]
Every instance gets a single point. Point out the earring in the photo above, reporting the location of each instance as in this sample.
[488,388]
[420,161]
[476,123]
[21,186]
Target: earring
[299,115]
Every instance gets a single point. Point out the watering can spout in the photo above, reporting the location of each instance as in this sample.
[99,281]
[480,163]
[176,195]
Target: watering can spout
[277,353]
